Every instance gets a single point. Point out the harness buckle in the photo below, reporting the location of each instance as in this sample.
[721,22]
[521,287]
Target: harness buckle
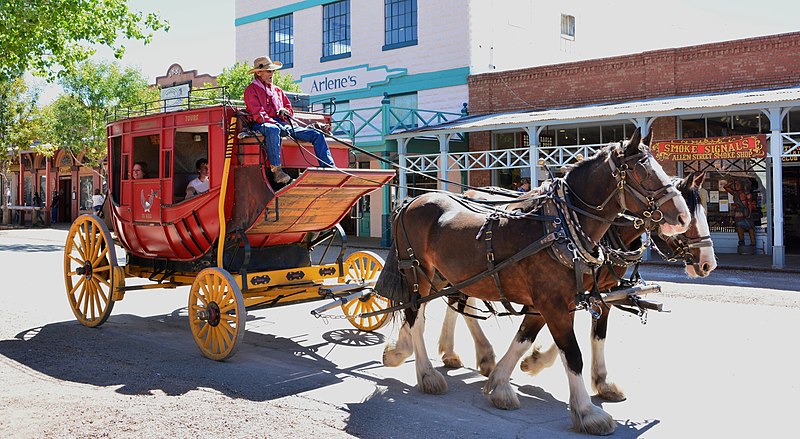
[490,256]
[657,216]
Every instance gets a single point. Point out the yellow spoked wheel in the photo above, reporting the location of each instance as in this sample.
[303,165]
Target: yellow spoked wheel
[365,266]
[91,271]
[216,313]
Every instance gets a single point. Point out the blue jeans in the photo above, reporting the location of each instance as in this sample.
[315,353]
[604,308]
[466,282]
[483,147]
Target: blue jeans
[272,136]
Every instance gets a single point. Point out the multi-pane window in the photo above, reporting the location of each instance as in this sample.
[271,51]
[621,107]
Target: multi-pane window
[401,23]
[336,30]
[281,39]
[568,26]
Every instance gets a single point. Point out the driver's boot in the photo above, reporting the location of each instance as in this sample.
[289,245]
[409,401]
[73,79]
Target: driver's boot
[280,176]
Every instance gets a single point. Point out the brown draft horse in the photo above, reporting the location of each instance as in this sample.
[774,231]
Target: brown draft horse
[694,247]
[437,235]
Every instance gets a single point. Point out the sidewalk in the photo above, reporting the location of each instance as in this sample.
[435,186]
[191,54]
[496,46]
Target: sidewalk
[726,261]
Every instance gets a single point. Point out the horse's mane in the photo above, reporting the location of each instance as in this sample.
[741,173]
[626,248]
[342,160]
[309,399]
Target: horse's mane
[690,193]
[600,155]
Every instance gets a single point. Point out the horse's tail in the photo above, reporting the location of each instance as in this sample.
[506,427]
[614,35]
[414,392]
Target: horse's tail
[392,283]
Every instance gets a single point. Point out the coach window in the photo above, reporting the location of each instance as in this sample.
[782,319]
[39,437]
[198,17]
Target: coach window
[191,144]
[116,168]
[146,150]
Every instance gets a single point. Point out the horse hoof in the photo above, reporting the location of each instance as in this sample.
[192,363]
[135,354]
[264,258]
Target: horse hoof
[452,361]
[486,365]
[393,357]
[432,383]
[539,360]
[502,395]
[594,421]
[609,392]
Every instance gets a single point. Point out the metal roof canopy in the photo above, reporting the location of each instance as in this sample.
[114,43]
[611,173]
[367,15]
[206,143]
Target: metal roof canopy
[671,106]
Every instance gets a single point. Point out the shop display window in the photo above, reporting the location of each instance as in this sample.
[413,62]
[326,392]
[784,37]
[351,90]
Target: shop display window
[733,197]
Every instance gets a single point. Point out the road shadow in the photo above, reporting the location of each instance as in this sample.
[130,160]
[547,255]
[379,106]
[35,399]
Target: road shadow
[142,355]
[32,248]
[465,412]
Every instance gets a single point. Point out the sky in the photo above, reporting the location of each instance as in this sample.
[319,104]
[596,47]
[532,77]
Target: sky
[202,33]
[201,37]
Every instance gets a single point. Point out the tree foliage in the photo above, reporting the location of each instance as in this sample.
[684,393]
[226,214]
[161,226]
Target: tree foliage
[236,79]
[21,124]
[42,34]
[77,118]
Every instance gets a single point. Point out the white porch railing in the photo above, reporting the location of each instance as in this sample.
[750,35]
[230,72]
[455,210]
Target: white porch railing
[502,158]
[791,145]
[556,156]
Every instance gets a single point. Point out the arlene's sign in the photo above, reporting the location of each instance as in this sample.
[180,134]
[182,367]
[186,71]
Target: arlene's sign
[347,80]
[712,148]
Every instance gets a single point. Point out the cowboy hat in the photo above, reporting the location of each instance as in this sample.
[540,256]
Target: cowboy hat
[264,63]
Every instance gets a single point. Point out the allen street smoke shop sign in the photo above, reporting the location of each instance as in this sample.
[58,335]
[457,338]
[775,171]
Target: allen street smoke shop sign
[712,148]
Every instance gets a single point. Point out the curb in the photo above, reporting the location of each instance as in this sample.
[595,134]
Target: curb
[731,267]
[653,262]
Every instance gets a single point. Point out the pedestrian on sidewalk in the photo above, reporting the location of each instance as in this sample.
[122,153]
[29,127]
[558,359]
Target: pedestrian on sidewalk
[97,202]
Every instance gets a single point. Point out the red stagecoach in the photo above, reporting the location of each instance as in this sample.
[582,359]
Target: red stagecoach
[245,244]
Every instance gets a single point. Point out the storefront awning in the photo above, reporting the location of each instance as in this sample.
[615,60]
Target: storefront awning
[672,106]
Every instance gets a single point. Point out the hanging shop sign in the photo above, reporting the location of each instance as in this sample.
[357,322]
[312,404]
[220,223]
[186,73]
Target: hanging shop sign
[711,148]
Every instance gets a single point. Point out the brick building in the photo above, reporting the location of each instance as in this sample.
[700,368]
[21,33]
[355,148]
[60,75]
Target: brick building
[741,87]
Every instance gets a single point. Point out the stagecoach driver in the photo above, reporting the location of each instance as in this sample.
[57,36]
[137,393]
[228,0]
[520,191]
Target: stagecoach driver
[270,110]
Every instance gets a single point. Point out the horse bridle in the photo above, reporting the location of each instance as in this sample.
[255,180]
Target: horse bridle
[683,248]
[651,201]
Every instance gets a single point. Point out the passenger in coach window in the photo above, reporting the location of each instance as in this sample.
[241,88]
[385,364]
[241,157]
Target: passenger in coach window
[199,185]
[139,170]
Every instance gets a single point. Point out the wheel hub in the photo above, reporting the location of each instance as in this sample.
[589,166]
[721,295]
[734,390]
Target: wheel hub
[85,270]
[210,314]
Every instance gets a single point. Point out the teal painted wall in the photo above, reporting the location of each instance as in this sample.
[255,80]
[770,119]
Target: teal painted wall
[404,84]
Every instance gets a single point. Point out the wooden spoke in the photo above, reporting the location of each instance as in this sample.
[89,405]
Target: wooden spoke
[217,314]
[89,275]
[365,266]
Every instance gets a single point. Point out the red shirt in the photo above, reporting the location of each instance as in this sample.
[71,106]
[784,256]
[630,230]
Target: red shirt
[263,102]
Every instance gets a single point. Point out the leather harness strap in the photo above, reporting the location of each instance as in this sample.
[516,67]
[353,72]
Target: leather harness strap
[487,237]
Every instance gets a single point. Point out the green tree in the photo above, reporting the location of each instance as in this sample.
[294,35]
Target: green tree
[39,35]
[91,90]
[236,79]
[21,123]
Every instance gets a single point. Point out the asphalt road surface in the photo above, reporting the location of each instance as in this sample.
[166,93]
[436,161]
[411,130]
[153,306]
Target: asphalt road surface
[719,365]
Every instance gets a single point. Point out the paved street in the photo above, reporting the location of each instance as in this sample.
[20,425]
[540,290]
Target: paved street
[713,367]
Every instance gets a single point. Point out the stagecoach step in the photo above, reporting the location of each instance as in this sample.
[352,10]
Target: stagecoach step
[623,294]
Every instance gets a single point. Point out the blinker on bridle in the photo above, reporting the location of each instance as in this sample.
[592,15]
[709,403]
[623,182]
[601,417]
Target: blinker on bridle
[651,201]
